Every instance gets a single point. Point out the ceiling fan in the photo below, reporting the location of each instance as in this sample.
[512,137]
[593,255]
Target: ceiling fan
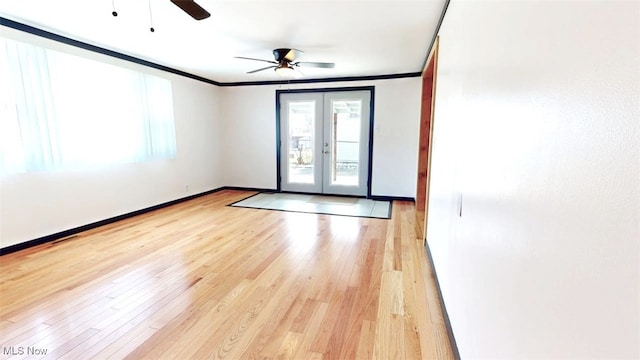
[190,7]
[284,62]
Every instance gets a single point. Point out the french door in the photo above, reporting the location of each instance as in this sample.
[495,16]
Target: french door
[324,142]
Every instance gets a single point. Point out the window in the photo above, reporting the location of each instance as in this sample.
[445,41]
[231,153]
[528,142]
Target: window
[60,111]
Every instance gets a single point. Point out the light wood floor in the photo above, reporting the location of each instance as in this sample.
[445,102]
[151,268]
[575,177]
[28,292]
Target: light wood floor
[204,280]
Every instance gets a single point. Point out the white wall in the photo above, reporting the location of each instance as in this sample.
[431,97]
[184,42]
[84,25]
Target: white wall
[250,134]
[38,204]
[225,137]
[538,127]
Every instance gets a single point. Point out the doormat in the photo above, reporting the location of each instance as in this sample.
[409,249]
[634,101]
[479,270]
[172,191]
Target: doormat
[318,204]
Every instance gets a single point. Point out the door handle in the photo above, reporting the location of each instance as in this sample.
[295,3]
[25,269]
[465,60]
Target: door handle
[326,151]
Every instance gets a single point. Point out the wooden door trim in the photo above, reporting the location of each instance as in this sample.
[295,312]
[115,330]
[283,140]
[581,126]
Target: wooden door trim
[429,76]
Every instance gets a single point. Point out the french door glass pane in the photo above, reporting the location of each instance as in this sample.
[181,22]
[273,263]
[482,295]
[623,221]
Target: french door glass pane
[301,141]
[345,141]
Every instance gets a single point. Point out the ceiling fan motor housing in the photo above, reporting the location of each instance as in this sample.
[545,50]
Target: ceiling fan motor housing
[283,54]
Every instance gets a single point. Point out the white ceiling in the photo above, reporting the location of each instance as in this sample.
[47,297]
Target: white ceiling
[363,38]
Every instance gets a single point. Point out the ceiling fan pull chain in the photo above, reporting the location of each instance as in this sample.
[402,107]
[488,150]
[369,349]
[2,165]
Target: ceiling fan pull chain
[113,6]
[151,18]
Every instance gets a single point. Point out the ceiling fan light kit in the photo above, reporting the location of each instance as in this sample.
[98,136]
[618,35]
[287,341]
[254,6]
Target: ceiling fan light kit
[284,70]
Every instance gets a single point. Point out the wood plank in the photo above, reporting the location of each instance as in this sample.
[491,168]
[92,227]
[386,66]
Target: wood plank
[289,346]
[366,340]
[203,280]
[311,330]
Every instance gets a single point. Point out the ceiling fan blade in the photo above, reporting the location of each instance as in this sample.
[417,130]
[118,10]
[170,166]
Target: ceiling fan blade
[286,54]
[190,7]
[316,64]
[248,58]
[265,68]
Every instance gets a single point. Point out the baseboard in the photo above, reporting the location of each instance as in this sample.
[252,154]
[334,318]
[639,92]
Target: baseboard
[240,188]
[452,339]
[391,198]
[66,233]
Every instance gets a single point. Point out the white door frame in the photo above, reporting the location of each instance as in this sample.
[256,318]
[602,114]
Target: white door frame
[365,156]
